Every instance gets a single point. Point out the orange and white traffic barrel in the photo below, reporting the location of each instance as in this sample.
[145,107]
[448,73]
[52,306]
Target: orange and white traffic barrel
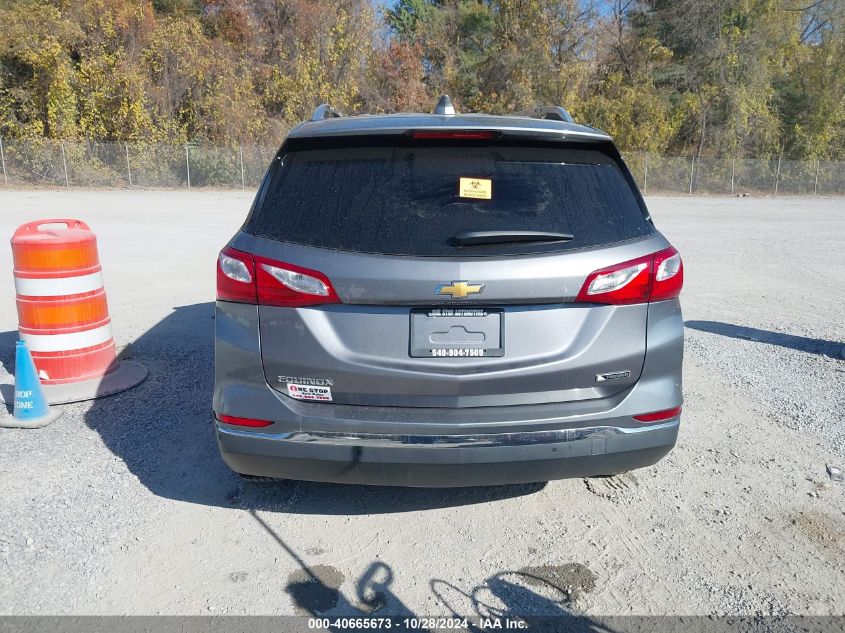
[62,312]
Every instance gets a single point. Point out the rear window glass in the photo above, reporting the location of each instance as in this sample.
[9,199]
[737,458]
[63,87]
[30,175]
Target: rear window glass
[414,200]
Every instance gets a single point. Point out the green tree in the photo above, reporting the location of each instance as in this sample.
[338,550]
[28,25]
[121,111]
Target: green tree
[709,77]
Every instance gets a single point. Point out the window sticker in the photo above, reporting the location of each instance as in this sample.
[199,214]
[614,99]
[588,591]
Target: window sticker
[479,188]
[307,392]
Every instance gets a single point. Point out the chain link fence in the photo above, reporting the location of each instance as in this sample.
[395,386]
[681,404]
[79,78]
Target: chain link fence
[151,165]
[50,163]
[736,176]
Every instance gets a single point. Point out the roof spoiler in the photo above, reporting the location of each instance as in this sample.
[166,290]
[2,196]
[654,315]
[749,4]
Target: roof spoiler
[548,112]
[444,107]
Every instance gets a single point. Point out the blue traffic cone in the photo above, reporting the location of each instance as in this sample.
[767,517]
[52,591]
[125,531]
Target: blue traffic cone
[31,408]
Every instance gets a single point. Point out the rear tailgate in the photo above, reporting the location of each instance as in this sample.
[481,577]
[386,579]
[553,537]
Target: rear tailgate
[426,323]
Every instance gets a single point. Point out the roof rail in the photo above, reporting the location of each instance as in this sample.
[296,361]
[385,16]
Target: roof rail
[548,112]
[325,111]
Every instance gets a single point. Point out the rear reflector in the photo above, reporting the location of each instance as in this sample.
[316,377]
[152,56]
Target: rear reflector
[231,419]
[462,135]
[656,416]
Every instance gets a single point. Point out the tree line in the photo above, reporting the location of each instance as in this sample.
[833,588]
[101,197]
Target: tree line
[759,78]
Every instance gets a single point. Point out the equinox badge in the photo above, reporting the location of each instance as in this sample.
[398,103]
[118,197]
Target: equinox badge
[459,289]
[612,375]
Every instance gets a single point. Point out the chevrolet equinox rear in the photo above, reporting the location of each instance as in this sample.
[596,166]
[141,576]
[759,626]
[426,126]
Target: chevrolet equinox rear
[447,300]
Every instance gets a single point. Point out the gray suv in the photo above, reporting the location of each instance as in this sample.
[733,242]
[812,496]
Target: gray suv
[447,300]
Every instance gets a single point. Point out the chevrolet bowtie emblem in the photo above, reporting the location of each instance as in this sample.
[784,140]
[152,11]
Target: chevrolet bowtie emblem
[459,289]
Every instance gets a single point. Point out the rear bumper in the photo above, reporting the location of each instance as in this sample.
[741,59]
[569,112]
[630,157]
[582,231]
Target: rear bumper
[438,447]
[445,461]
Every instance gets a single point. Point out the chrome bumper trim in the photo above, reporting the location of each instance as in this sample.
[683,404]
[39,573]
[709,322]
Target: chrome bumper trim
[448,441]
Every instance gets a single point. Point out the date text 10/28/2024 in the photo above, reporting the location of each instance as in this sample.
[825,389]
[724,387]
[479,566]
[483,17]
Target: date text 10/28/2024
[416,623]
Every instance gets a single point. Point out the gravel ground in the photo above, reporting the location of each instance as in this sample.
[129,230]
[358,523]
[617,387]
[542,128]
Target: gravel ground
[124,506]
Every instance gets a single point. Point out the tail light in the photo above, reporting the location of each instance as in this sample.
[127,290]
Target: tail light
[668,275]
[247,278]
[236,276]
[281,284]
[654,277]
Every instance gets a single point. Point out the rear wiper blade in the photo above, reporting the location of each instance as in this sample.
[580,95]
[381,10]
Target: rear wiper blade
[473,238]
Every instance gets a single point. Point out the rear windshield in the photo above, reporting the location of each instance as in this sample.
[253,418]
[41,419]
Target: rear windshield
[415,200]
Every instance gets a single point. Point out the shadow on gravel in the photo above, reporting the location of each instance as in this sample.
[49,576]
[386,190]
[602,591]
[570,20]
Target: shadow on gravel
[315,590]
[510,595]
[162,430]
[7,360]
[7,349]
[791,341]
